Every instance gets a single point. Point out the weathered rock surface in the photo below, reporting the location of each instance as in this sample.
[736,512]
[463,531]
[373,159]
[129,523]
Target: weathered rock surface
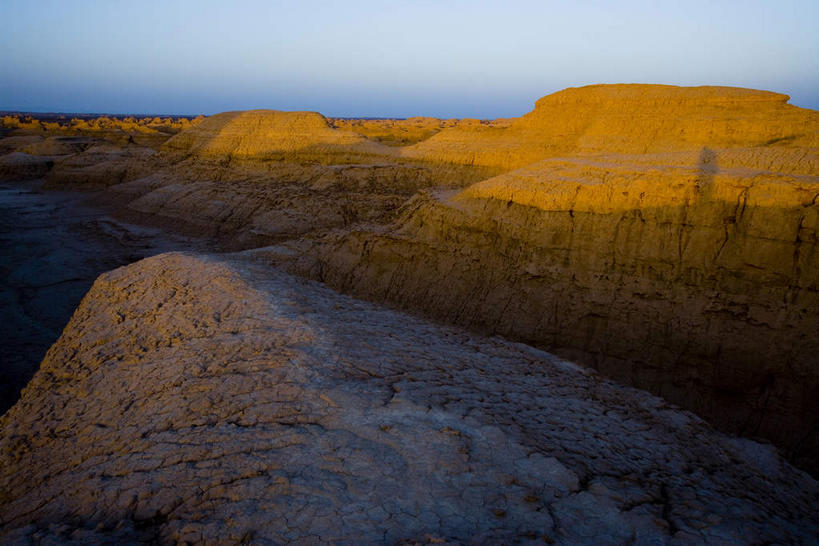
[18,143]
[195,399]
[60,145]
[255,178]
[697,282]
[100,166]
[395,132]
[268,134]
[52,248]
[122,130]
[245,205]
[665,235]
[22,166]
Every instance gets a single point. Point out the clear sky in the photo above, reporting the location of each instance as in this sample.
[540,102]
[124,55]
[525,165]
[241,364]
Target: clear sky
[459,58]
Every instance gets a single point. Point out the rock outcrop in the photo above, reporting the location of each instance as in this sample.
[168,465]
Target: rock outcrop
[269,134]
[122,130]
[53,247]
[196,399]
[700,285]
[18,143]
[100,166]
[630,119]
[23,166]
[259,177]
[60,146]
[688,272]
[664,235]
[395,132]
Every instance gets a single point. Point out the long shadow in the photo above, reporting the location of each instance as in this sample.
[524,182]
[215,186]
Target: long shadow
[707,166]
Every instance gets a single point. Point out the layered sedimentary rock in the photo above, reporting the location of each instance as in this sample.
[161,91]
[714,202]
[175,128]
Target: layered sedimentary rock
[395,132]
[153,131]
[693,273]
[262,176]
[99,166]
[268,134]
[626,119]
[59,145]
[18,143]
[250,205]
[665,235]
[23,166]
[701,286]
[201,399]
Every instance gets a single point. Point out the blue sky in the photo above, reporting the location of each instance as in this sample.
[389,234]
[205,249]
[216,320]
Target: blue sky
[382,58]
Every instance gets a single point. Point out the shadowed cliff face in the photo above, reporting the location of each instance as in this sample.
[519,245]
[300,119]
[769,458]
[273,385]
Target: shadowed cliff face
[697,283]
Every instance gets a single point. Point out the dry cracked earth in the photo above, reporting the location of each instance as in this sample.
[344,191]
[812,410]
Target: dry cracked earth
[216,400]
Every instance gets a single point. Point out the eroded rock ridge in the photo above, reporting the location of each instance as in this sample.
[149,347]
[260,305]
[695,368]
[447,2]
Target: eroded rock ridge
[200,399]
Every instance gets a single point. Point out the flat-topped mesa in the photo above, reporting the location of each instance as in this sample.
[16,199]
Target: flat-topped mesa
[630,119]
[640,118]
[665,95]
[266,134]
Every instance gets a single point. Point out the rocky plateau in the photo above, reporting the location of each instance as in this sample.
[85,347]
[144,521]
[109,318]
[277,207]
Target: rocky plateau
[661,237]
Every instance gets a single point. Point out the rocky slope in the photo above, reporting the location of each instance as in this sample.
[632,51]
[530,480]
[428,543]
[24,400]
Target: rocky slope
[664,235]
[244,178]
[691,272]
[201,399]
[265,134]
[23,166]
[697,283]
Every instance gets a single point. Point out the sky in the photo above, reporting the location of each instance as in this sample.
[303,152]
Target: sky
[384,58]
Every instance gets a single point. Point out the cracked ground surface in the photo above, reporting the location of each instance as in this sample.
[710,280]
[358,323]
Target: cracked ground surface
[211,399]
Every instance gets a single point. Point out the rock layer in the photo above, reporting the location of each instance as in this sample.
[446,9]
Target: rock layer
[22,166]
[665,235]
[194,399]
[626,119]
[266,134]
[697,282]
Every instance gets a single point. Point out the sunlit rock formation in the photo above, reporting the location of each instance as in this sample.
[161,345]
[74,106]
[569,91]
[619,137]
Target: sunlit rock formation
[663,235]
[264,176]
[151,131]
[265,134]
[396,132]
[632,119]
[201,399]
[691,272]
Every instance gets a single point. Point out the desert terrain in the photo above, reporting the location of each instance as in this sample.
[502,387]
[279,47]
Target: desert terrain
[597,322]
